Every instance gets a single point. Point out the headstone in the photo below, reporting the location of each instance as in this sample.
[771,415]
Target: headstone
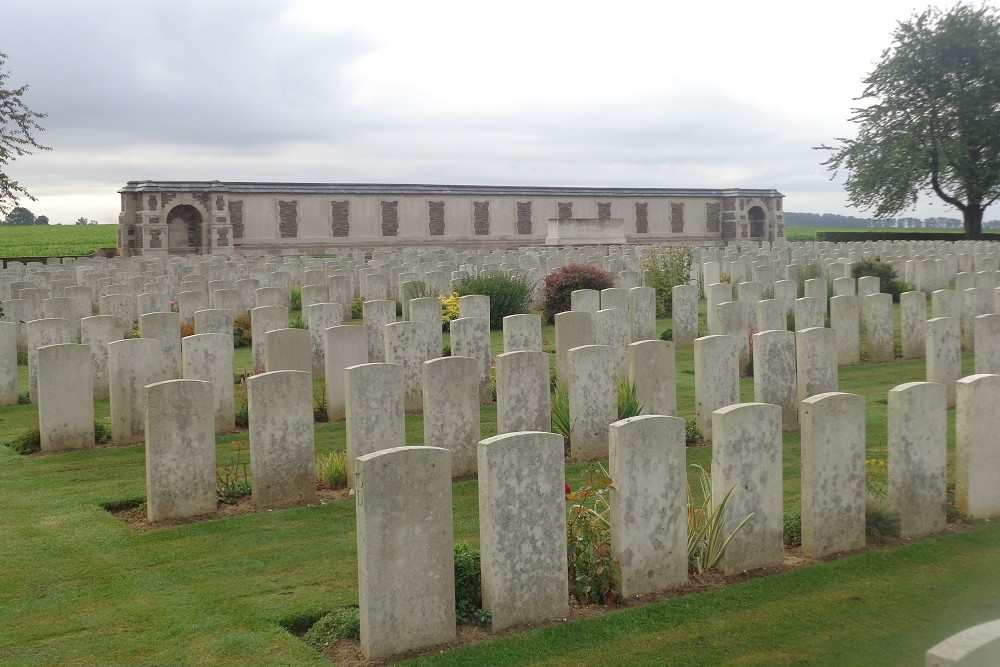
[64,309]
[522,528]
[785,293]
[944,354]
[523,402]
[918,457]
[373,409]
[65,397]
[716,378]
[269,296]
[711,272]
[132,364]
[612,328]
[313,294]
[733,319]
[41,333]
[585,300]
[406,345]
[746,454]
[375,287]
[810,312]
[816,288]
[844,287]
[180,448]
[684,300]
[288,350]
[614,297]
[451,410]
[913,323]
[714,295]
[322,316]
[652,369]
[975,301]
[428,310]
[96,332]
[8,363]
[123,307]
[188,303]
[262,320]
[470,337]
[844,318]
[214,321]
[815,362]
[879,327]
[282,448]
[642,312]
[987,333]
[770,315]
[977,448]
[474,305]
[593,399]
[376,315]
[343,347]
[405,603]
[166,328]
[774,377]
[209,358]
[647,461]
[522,333]
[225,299]
[978,646]
[944,303]
[868,285]
[833,473]
[340,291]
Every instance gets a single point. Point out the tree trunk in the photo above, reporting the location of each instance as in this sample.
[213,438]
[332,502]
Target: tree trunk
[972,218]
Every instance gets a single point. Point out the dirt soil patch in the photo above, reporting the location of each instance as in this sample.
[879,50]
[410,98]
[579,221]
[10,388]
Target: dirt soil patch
[135,516]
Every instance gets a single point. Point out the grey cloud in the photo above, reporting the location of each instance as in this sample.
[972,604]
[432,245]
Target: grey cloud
[205,73]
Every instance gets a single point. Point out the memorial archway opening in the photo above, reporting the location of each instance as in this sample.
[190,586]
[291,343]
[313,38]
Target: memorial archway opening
[184,228]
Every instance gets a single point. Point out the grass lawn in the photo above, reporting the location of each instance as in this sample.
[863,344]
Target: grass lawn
[81,588]
[55,240]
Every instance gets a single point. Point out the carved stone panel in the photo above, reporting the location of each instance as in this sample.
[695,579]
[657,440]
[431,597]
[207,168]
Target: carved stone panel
[390,218]
[435,218]
[288,219]
[524,217]
[340,217]
[236,218]
[642,218]
[481,217]
[676,218]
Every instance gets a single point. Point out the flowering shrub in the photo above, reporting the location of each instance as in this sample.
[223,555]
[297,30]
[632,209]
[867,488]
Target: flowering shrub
[508,295]
[559,285]
[666,269]
[449,308]
[241,330]
[357,308]
[594,573]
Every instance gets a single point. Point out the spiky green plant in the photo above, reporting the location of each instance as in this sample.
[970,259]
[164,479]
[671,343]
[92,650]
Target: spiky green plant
[707,540]
[331,469]
[628,401]
[560,414]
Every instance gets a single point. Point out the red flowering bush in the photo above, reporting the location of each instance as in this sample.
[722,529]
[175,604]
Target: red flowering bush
[560,284]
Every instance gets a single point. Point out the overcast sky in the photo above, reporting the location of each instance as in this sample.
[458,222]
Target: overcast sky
[647,94]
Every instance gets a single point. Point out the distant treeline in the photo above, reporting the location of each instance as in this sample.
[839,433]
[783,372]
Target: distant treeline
[832,220]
